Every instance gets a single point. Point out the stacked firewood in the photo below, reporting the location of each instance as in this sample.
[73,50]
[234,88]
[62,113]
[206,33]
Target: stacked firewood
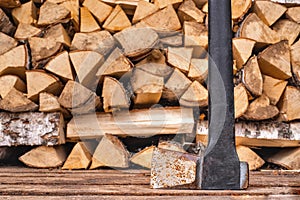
[118,78]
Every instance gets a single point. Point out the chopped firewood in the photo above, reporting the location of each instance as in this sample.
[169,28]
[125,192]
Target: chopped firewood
[42,48]
[288,158]
[200,3]
[73,7]
[288,30]
[59,34]
[79,158]
[26,13]
[171,146]
[180,57]
[240,100]
[164,20]
[288,105]
[147,87]
[133,41]
[259,134]
[268,11]
[8,82]
[275,61]
[205,8]
[273,88]
[5,24]
[164,3]
[176,85]
[242,50]
[48,103]
[141,122]
[260,109]
[254,28]
[143,157]
[86,64]
[295,58]
[195,96]
[189,12]
[44,157]
[287,2]
[31,128]
[25,31]
[10,3]
[87,21]
[196,36]
[247,155]
[115,65]
[239,8]
[114,95]
[16,101]
[6,43]
[143,10]
[99,41]
[51,13]
[252,77]
[198,70]
[14,61]
[155,64]
[39,81]
[172,41]
[110,153]
[99,9]
[60,65]
[293,13]
[117,20]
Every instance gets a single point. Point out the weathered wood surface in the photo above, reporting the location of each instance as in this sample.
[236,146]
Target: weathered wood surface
[115,184]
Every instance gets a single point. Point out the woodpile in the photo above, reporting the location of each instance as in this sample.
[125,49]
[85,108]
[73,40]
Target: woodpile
[115,79]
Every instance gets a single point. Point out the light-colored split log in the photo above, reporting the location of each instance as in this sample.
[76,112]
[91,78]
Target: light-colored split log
[5,24]
[164,3]
[189,12]
[241,102]
[273,88]
[6,43]
[143,158]
[289,104]
[172,41]
[247,155]
[48,103]
[26,13]
[143,10]
[253,79]
[293,13]
[180,58]
[51,13]
[288,30]
[8,82]
[288,158]
[242,50]
[25,31]
[73,7]
[239,8]
[87,21]
[171,145]
[117,20]
[59,34]
[195,96]
[99,9]
[295,58]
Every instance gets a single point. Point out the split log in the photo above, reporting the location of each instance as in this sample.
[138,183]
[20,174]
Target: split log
[73,7]
[239,8]
[287,2]
[268,11]
[288,105]
[51,13]
[99,41]
[99,9]
[275,61]
[87,21]
[143,158]
[172,41]
[49,103]
[189,12]
[25,31]
[14,62]
[26,13]
[259,134]
[110,152]
[39,81]
[133,41]
[39,157]
[143,10]
[242,50]
[198,70]
[10,3]
[288,30]
[254,28]
[59,34]
[31,128]
[195,96]
[142,122]
[293,13]
[247,155]
[171,146]
[16,101]
[205,8]
[200,3]
[273,88]
[253,79]
[180,58]
[146,87]
[240,100]
[6,43]
[288,158]
[260,109]
[164,3]
[8,82]
[86,65]
[295,58]
[114,95]
[60,65]
[79,158]
[5,24]
[176,85]
[117,20]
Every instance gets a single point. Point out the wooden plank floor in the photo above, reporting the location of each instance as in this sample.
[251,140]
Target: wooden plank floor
[31,184]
